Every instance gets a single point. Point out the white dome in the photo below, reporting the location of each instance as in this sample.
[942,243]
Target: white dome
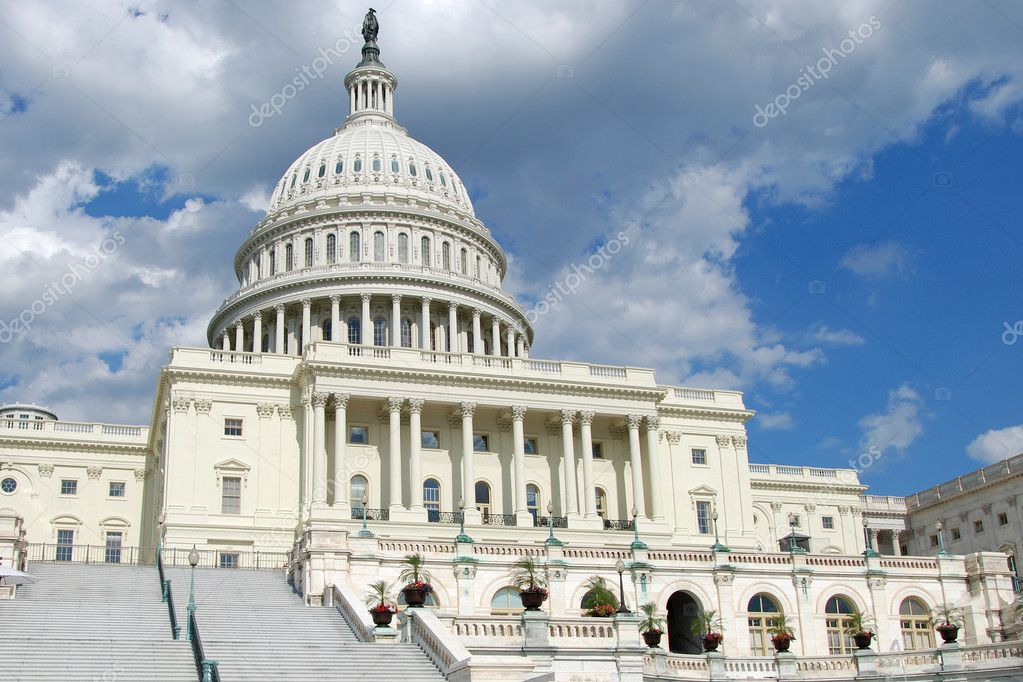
[370,154]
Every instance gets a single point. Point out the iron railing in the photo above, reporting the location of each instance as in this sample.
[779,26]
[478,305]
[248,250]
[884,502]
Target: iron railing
[169,597]
[1017,584]
[444,517]
[545,521]
[91,554]
[499,519]
[619,524]
[371,514]
[205,667]
[147,556]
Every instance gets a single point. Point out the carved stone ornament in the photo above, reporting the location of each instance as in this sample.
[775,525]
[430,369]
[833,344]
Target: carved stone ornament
[739,441]
[776,506]
[724,578]
[653,423]
[619,431]
[568,416]
[465,571]
[586,417]
[265,410]
[518,412]
[181,404]
[504,423]
[94,472]
[45,470]
[723,441]
[633,421]
[320,399]
[415,405]
[674,437]
[341,400]
[986,508]
[877,582]
[553,428]
[468,409]
[203,405]
[140,475]
[843,511]
[286,411]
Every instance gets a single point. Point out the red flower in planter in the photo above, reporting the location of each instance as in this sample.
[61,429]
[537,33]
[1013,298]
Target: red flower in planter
[384,608]
[603,610]
[419,585]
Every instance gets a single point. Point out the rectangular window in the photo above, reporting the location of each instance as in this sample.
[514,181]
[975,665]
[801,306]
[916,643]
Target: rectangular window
[703,517]
[431,439]
[828,522]
[796,521]
[68,486]
[934,541]
[116,489]
[229,560]
[978,527]
[956,534]
[231,500]
[480,442]
[598,450]
[358,435]
[1003,519]
[113,548]
[65,544]
[531,446]
[699,456]
[232,427]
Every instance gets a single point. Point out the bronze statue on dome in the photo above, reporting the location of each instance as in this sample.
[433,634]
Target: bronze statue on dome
[370,26]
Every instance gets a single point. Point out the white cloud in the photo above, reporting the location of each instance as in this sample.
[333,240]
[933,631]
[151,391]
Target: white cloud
[780,421]
[821,333]
[878,260]
[997,444]
[898,426]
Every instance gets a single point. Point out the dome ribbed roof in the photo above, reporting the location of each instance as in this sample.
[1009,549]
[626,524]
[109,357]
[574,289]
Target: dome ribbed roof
[370,154]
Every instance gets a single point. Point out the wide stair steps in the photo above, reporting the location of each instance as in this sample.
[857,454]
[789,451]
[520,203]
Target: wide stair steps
[91,622]
[257,628]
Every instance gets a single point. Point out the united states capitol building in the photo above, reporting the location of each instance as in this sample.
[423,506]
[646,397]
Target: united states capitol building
[368,393]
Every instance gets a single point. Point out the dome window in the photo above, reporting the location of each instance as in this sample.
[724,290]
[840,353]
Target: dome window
[340,167]
[323,170]
[443,179]
[412,168]
[429,174]
[354,247]
[305,177]
[294,179]
[376,164]
[358,165]
[395,166]
[403,247]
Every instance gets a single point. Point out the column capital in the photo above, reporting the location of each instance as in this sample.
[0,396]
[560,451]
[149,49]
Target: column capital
[279,308]
[341,400]
[723,441]
[467,409]
[258,315]
[415,405]
[586,418]
[319,399]
[633,421]
[518,412]
[334,298]
[568,416]
[452,305]
[307,303]
[652,423]
[394,404]
[739,441]
[239,323]
[427,301]
[396,298]
[674,437]
[475,313]
[365,298]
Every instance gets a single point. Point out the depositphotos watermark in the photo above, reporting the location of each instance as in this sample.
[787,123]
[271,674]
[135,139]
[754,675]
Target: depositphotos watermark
[306,74]
[568,286]
[62,286]
[811,73]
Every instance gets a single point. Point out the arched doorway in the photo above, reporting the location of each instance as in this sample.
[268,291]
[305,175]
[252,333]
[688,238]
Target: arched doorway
[682,611]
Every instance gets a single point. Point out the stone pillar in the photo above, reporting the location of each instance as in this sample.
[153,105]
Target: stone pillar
[415,407]
[319,458]
[568,453]
[495,336]
[257,332]
[468,466]
[341,450]
[465,576]
[520,346]
[656,467]
[307,305]
[589,486]
[225,341]
[522,515]
[394,452]
[239,336]
[335,319]
[366,322]
[636,462]
[453,328]
[396,321]
[424,327]
[877,584]
[279,330]
[477,333]
[510,340]
[896,547]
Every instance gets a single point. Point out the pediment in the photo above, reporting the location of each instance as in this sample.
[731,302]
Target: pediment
[703,491]
[231,465]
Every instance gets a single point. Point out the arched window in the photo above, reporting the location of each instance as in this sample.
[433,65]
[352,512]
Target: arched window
[339,166]
[259,267]
[506,602]
[309,252]
[376,163]
[354,247]
[762,612]
[357,166]
[323,169]
[328,330]
[354,330]
[431,499]
[445,256]
[412,168]
[379,252]
[402,248]
[406,332]
[359,489]
[836,621]
[305,176]
[331,248]
[380,332]
[429,174]
[470,342]
[273,261]
[394,165]
[533,501]
[463,262]
[601,503]
[424,246]
[443,179]
[483,498]
[289,257]
[478,268]
[915,623]
[293,179]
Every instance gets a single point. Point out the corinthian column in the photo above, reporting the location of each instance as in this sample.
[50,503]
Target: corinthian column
[589,485]
[415,408]
[307,306]
[636,463]
[656,467]
[319,451]
[367,324]
[523,517]
[424,327]
[279,330]
[341,450]
[257,332]
[239,336]
[568,454]
[396,320]
[468,465]
[394,451]
[453,328]
[335,319]
[477,333]
[495,336]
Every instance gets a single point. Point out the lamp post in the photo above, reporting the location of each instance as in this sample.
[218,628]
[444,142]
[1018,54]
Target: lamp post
[160,520]
[193,561]
[717,546]
[941,542]
[793,547]
[462,537]
[869,551]
[365,532]
[620,567]
[551,540]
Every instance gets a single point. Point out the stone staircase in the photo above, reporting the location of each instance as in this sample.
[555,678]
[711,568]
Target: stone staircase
[257,628]
[91,622]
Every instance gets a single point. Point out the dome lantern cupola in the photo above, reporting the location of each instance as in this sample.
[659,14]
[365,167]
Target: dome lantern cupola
[370,85]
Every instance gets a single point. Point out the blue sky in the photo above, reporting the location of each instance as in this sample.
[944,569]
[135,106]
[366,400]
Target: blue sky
[851,264]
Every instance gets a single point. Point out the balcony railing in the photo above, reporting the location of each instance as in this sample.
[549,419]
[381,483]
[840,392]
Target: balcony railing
[499,520]
[170,556]
[434,516]
[619,524]
[371,514]
[545,521]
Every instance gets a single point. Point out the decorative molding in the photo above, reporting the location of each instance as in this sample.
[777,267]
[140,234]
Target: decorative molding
[232,467]
[203,405]
[877,582]
[45,470]
[341,400]
[674,437]
[140,474]
[467,409]
[810,507]
[94,472]
[723,441]
[777,506]
[415,405]
[320,399]
[568,416]
[652,423]
[632,421]
[586,418]
[265,410]
[518,412]
[739,442]
[986,508]
[181,404]
[285,410]
[843,510]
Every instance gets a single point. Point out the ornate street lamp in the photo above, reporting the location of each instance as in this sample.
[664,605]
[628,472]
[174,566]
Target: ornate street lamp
[636,542]
[551,540]
[941,543]
[193,561]
[365,532]
[717,546]
[462,537]
[793,547]
[869,551]
[620,567]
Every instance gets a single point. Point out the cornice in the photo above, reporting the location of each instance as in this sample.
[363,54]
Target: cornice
[109,447]
[228,378]
[706,413]
[806,486]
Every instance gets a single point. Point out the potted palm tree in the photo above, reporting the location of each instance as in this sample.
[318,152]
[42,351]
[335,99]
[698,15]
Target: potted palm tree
[861,625]
[381,606]
[651,626]
[416,579]
[530,579]
[781,632]
[950,619]
[708,626]
[600,601]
